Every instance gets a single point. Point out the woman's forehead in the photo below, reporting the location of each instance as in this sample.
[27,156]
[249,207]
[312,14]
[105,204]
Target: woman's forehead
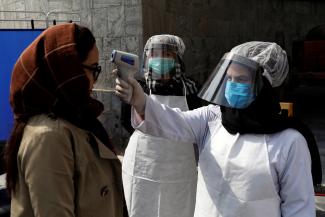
[238,70]
[161,52]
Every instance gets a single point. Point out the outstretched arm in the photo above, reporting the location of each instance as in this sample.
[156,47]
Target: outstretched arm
[151,117]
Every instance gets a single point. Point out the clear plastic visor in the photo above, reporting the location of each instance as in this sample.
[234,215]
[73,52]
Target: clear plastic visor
[235,82]
[160,62]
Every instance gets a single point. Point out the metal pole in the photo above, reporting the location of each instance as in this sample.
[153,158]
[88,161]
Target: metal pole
[32,23]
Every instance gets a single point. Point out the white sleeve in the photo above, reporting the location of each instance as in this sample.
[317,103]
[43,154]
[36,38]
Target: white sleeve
[296,184]
[172,123]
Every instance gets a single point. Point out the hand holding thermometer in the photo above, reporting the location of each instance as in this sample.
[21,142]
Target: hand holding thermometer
[126,63]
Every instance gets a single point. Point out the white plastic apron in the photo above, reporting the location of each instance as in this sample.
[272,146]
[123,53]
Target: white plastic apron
[159,175]
[234,177]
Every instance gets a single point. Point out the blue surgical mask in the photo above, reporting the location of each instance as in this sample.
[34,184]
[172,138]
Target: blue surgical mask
[161,65]
[238,95]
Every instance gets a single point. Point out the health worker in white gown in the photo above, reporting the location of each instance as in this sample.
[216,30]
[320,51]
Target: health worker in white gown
[160,174]
[253,161]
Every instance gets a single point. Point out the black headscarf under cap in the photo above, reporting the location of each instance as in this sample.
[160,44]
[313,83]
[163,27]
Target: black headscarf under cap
[263,117]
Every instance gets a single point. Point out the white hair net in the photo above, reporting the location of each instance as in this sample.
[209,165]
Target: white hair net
[167,39]
[270,56]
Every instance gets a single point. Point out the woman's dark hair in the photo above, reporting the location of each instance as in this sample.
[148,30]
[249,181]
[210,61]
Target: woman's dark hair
[85,41]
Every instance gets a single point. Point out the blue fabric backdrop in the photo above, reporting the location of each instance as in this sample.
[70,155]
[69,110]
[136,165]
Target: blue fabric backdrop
[12,43]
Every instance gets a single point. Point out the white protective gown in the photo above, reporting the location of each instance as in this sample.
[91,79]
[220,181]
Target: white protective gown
[160,175]
[250,175]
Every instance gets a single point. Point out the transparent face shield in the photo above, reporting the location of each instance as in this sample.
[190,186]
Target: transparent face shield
[160,62]
[234,83]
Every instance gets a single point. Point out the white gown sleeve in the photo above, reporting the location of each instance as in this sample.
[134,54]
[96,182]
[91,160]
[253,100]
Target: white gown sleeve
[296,185]
[172,123]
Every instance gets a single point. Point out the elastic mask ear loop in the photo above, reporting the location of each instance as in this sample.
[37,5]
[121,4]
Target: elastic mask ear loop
[180,66]
[149,78]
[150,81]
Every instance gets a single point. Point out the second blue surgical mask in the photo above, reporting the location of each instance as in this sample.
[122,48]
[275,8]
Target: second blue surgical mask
[161,65]
[238,95]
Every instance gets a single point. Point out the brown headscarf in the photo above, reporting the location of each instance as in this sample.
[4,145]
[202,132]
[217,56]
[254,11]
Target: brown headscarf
[48,77]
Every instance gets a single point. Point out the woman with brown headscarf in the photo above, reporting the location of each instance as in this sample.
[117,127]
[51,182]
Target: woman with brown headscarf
[59,159]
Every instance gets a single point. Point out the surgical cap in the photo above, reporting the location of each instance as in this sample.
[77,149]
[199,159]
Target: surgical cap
[270,56]
[167,39]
